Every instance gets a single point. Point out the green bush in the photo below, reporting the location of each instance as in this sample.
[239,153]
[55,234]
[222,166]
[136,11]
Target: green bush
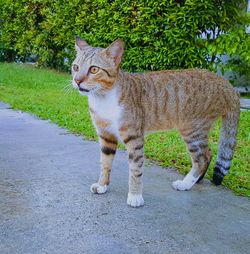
[163,34]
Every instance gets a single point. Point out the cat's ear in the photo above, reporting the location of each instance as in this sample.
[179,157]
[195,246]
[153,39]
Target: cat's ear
[115,51]
[80,44]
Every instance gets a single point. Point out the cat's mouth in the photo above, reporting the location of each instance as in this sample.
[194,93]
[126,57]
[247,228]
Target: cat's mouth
[83,90]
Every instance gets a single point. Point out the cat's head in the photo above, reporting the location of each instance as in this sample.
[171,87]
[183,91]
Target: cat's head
[95,70]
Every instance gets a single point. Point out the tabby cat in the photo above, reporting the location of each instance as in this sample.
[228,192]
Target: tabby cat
[124,106]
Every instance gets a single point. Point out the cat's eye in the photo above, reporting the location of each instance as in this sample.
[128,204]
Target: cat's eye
[75,67]
[94,69]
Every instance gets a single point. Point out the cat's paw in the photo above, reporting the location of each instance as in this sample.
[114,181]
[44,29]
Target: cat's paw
[181,185]
[135,200]
[98,189]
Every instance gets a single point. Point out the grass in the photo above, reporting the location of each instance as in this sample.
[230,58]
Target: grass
[245,96]
[43,93]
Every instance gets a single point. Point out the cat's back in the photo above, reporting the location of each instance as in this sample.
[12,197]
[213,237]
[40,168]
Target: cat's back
[199,85]
[185,77]
[178,96]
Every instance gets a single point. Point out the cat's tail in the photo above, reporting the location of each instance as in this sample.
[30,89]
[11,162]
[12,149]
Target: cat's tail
[226,145]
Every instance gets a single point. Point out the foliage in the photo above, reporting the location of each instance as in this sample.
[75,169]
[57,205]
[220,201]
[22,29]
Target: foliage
[158,34]
[236,44]
[42,92]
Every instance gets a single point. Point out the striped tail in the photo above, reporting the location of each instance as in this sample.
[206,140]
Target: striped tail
[226,146]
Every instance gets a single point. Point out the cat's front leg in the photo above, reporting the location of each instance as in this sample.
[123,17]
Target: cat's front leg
[108,144]
[134,146]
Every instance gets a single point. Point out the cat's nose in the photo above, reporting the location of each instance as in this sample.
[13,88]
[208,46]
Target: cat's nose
[80,78]
[78,81]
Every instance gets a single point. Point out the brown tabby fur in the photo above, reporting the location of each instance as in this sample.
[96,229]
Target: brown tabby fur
[186,100]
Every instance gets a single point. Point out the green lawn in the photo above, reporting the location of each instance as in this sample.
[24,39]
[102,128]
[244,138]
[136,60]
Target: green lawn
[48,94]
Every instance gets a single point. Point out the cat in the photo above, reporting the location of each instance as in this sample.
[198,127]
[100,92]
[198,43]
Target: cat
[124,106]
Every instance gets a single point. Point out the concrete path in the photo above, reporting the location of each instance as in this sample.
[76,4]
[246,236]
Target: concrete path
[245,104]
[46,205]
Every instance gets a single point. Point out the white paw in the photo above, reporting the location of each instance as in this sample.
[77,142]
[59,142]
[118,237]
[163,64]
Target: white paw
[181,185]
[135,200]
[98,189]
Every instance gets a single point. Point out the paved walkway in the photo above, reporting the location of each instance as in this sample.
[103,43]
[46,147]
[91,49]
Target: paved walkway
[46,205]
[245,104]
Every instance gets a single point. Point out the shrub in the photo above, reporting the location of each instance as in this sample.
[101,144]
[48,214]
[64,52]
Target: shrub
[163,34]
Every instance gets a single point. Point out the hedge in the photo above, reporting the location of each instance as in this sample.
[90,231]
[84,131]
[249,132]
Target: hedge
[159,35]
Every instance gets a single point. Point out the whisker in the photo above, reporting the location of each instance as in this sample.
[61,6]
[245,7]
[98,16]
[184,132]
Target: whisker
[68,88]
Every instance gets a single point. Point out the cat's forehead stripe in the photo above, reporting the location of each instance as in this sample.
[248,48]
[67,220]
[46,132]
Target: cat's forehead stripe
[88,54]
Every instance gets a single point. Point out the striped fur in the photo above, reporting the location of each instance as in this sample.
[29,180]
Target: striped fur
[124,106]
[226,146]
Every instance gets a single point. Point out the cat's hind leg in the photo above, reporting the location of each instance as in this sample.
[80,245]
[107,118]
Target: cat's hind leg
[201,157]
[108,145]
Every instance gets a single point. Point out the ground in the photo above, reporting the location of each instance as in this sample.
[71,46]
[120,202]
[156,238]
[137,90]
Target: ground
[46,205]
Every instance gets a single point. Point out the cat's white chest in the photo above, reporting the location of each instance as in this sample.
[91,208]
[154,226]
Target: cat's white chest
[108,108]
